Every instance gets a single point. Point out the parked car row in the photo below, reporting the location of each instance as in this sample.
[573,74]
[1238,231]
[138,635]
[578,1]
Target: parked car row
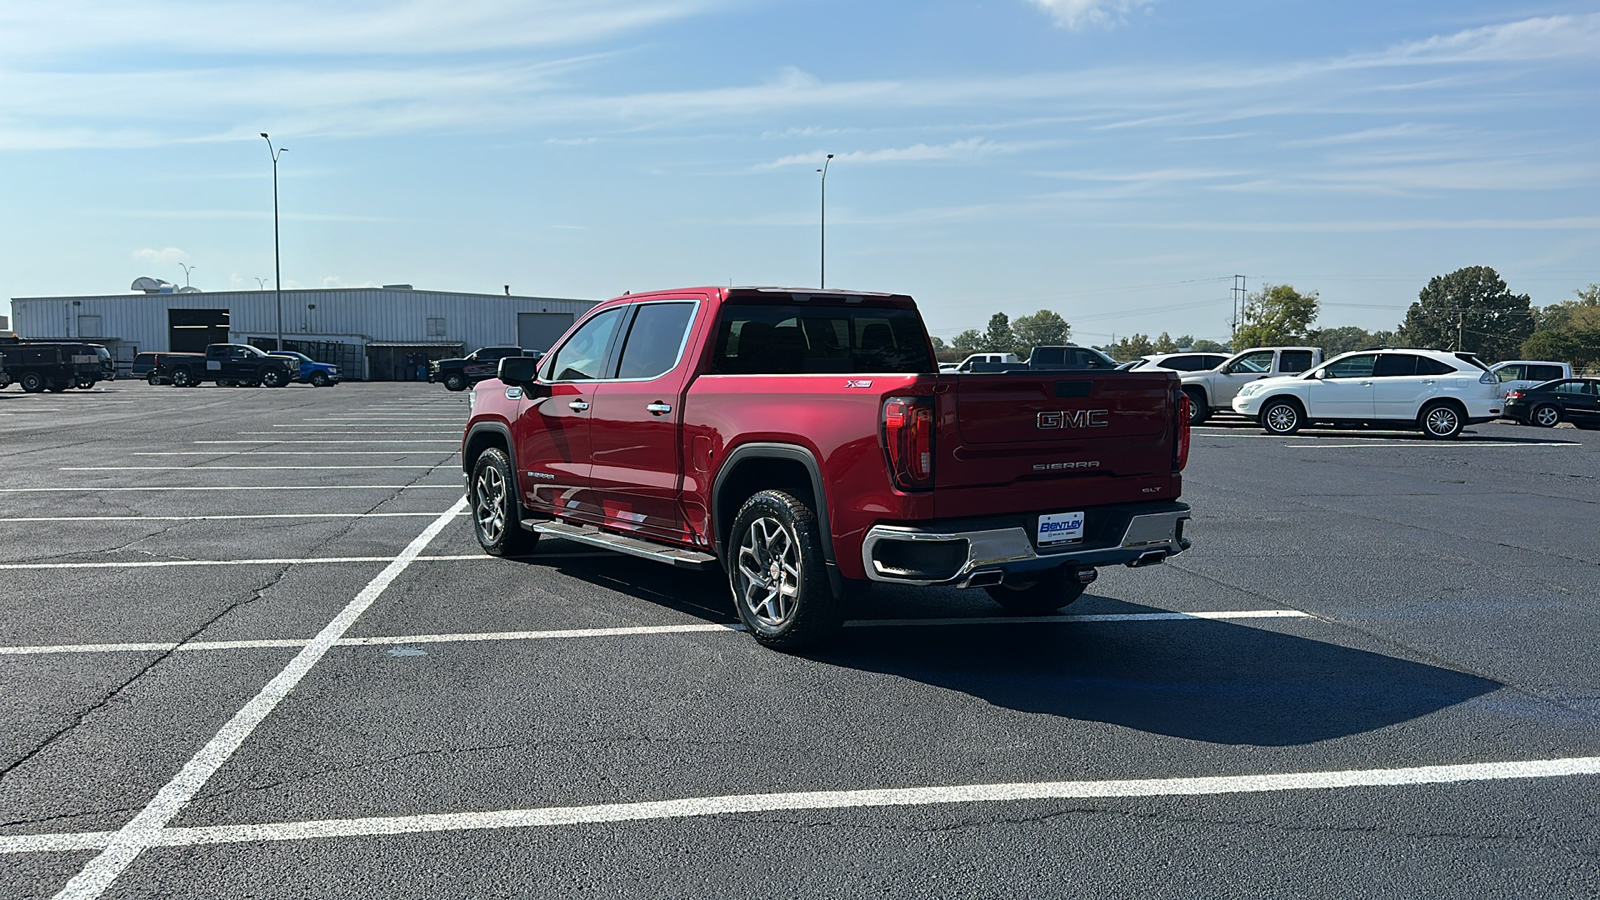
[234,365]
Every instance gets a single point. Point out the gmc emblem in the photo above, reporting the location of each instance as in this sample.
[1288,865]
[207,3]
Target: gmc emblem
[1074,418]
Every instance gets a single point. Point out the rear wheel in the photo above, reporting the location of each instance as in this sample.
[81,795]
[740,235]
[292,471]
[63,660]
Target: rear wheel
[1440,419]
[1198,411]
[495,510]
[182,378]
[1545,416]
[455,383]
[58,385]
[85,383]
[32,382]
[1050,591]
[319,379]
[778,576]
[1281,417]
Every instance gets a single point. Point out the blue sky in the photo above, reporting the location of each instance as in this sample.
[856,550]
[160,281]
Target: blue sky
[1117,161]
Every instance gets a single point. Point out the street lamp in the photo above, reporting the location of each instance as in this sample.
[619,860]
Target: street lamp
[277,260]
[261,283]
[822,242]
[186,271]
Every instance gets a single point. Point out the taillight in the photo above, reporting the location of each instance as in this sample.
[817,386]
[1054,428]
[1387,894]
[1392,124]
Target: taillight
[908,441]
[1180,452]
[1513,395]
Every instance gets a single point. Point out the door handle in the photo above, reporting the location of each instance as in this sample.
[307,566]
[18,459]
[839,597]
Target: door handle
[578,405]
[1429,381]
[658,408]
[1366,384]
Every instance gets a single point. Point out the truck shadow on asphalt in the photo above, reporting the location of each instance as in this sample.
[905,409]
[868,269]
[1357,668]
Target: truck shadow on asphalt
[1207,680]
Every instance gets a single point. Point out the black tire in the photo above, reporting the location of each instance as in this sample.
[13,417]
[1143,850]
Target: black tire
[1282,417]
[1441,420]
[183,378]
[273,378]
[1053,589]
[154,379]
[1545,415]
[32,382]
[1198,410]
[85,383]
[454,382]
[778,575]
[319,379]
[496,512]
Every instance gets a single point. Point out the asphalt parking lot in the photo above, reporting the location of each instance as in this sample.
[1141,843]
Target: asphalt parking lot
[249,648]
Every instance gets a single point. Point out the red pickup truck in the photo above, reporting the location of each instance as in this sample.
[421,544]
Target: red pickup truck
[806,443]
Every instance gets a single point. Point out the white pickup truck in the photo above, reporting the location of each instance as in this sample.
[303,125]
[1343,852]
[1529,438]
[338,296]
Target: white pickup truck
[1214,389]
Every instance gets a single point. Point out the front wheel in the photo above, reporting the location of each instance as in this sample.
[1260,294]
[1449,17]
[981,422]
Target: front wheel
[455,383]
[1440,420]
[85,383]
[495,518]
[154,379]
[273,378]
[1281,417]
[1545,416]
[778,576]
[1053,590]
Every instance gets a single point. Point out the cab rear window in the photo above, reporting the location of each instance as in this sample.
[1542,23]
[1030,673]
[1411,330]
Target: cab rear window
[813,338]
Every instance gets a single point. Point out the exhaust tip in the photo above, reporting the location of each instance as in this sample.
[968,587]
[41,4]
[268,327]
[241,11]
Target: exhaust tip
[986,579]
[1151,558]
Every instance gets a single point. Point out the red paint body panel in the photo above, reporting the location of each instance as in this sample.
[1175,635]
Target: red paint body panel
[1003,443]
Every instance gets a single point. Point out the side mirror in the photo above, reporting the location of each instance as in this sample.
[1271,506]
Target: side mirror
[518,370]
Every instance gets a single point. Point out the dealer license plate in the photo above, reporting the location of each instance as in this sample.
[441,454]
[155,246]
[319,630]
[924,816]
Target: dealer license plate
[1060,528]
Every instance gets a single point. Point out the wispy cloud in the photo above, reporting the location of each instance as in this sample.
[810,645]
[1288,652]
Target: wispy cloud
[969,149]
[1078,14]
[1541,38]
[164,255]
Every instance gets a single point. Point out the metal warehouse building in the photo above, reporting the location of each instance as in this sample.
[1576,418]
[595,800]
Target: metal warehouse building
[380,334]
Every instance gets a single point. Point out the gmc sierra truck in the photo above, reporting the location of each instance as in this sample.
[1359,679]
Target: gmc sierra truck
[806,443]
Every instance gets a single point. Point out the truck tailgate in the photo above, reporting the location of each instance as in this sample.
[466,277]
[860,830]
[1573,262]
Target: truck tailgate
[1023,442]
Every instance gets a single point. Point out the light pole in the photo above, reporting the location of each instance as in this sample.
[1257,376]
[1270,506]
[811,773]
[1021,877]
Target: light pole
[277,260]
[186,271]
[261,283]
[822,238]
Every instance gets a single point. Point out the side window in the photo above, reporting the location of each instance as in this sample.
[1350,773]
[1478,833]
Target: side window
[582,357]
[655,339]
[1351,367]
[1255,363]
[1393,365]
[1545,373]
[1293,362]
[1426,366]
[1510,373]
[1570,387]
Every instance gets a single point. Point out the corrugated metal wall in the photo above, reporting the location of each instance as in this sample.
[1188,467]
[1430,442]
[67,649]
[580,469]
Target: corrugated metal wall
[345,314]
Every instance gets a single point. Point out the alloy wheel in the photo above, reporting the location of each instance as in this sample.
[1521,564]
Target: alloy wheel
[489,495]
[1282,418]
[1442,420]
[769,572]
[1546,416]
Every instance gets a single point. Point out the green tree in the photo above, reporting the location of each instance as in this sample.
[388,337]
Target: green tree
[1556,315]
[1165,344]
[1131,347]
[1470,309]
[998,338]
[1043,328]
[1577,341]
[1343,339]
[1277,314]
[968,342]
[938,343]
[1205,346]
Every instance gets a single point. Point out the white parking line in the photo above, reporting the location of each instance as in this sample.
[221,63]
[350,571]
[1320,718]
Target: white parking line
[1445,446]
[125,845]
[394,441]
[181,563]
[795,801]
[367,426]
[365,515]
[238,487]
[205,468]
[293,452]
[634,630]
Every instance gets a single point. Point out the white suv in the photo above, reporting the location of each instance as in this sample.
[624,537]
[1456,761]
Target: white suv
[1432,390]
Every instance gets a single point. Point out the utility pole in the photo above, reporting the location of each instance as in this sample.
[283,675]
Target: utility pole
[1239,295]
[277,259]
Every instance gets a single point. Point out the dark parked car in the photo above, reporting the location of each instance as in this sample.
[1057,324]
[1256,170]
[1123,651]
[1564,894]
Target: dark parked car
[463,372]
[150,367]
[1575,400]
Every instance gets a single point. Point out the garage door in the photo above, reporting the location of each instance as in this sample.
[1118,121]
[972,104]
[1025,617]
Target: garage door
[538,331]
